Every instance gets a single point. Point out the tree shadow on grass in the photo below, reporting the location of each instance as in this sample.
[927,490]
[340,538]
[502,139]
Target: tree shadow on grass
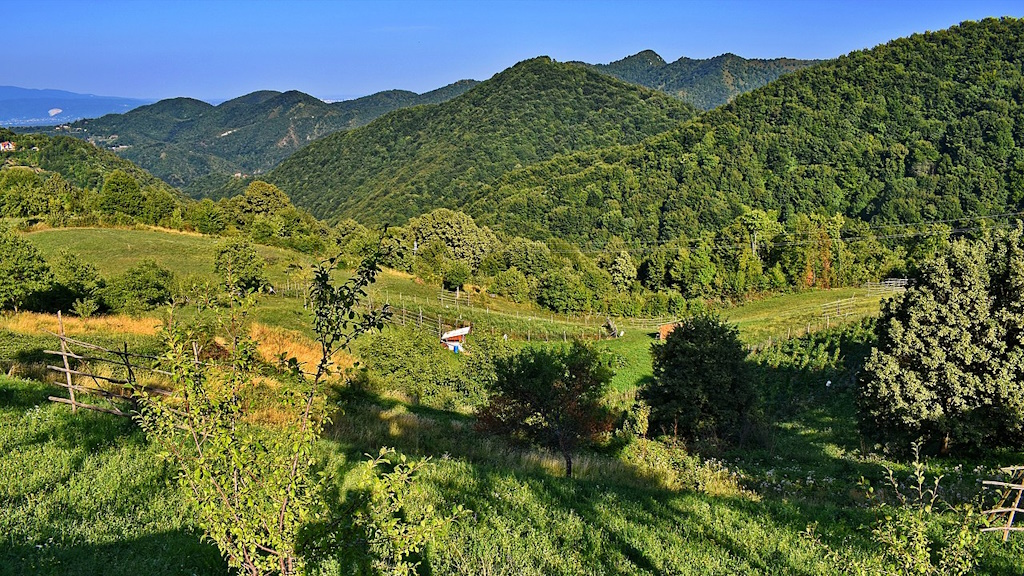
[166,553]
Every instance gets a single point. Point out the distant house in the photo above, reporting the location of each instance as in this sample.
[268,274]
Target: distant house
[455,340]
[7,147]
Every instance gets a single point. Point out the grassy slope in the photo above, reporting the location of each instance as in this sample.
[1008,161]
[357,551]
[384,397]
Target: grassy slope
[85,494]
[96,499]
[113,251]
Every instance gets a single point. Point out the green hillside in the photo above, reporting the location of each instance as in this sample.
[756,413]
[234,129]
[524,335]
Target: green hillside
[922,129]
[198,146]
[417,159]
[705,83]
[81,164]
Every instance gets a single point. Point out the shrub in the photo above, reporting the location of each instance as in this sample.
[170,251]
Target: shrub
[239,266]
[701,387]
[140,288]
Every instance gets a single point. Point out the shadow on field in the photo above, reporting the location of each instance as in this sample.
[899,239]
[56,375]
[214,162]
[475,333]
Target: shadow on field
[168,553]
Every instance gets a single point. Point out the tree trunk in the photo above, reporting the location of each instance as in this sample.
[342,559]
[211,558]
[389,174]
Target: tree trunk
[568,463]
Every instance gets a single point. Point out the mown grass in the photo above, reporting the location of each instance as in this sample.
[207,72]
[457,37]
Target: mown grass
[114,250]
[790,315]
[86,494]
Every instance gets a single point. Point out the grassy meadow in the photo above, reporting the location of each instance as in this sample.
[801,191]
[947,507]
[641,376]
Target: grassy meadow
[86,494]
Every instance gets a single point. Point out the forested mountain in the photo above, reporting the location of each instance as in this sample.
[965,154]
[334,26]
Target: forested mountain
[197,146]
[417,159]
[924,128]
[29,107]
[705,83]
[79,163]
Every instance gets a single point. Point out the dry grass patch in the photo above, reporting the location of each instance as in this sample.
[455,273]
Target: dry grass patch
[35,323]
[272,341]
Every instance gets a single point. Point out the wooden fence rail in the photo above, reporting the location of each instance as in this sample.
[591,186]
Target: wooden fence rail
[116,388]
[1009,504]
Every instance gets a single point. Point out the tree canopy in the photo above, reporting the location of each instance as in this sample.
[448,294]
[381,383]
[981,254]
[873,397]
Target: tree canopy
[950,353]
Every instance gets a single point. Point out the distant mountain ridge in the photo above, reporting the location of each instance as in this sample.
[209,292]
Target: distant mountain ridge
[705,83]
[31,107]
[197,146]
[416,159]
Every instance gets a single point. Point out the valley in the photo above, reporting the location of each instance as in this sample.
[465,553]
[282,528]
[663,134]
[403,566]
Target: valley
[713,316]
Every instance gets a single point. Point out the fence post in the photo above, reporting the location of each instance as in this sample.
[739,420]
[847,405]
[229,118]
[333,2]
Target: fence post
[67,366]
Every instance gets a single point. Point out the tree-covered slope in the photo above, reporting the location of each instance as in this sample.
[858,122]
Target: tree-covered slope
[705,83]
[416,159]
[198,146]
[924,128]
[79,163]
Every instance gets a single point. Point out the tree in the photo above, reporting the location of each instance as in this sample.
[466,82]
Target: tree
[511,284]
[622,271]
[23,271]
[73,280]
[254,487]
[551,397]
[259,199]
[455,273]
[701,386]
[239,266]
[121,195]
[141,287]
[949,357]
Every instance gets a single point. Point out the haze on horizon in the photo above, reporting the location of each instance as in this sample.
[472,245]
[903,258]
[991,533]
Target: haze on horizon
[158,49]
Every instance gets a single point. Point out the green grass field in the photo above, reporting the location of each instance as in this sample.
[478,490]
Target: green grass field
[86,494]
[114,250]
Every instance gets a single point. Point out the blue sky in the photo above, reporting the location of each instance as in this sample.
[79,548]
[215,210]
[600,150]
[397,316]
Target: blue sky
[221,49]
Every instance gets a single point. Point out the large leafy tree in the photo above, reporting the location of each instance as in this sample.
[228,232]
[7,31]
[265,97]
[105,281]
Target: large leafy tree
[121,195]
[23,271]
[950,353]
[551,397]
[701,386]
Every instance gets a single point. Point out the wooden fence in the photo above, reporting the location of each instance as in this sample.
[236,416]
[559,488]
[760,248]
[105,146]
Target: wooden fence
[115,386]
[1009,504]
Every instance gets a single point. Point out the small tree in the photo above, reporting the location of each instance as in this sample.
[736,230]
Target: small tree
[455,274]
[239,266]
[142,287]
[73,280]
[701,385]
[551,397]
[253,487]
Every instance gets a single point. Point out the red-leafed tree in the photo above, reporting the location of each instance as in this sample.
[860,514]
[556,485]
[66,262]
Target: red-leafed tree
[550,396]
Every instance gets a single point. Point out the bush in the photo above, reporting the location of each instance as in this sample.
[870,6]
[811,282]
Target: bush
[415,363]
[701,387]
[239,266]
[143,287]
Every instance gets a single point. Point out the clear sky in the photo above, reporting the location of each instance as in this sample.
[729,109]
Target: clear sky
[221,49]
